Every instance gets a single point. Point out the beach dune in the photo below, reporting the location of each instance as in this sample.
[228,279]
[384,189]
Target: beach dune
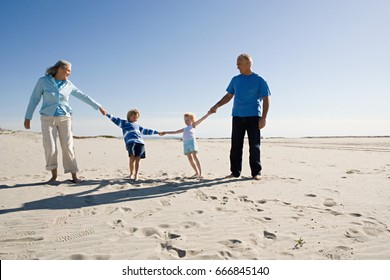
[320,198]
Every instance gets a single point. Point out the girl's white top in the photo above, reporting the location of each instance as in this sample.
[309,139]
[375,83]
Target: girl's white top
[188,132]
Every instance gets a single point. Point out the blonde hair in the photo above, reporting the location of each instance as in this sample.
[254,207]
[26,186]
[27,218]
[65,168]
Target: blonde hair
[190,115]
[246,56]
[133,112]
[60,64]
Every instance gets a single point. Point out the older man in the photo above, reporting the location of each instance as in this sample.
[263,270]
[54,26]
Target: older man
[249,91]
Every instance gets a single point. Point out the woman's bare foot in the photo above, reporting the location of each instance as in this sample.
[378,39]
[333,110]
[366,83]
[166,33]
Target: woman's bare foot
[75,179]
[53,176]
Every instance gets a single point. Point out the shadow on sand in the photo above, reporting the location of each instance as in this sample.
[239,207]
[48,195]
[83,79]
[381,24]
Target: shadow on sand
[88,198]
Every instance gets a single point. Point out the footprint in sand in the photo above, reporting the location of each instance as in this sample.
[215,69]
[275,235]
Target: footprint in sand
[164,202]
[269,235]
[85,257]
[225,200]
[71,237]
[173,236]
[196,212]
[310,195]
[231,242]
[355,215]
[61,220]
[245,199]
[334,213]
[125,209]
[329,202]
[110,209]
[180,252]
[116,224]
[201,195]
[372,229]
[225,255]
[149,231]
[223,209]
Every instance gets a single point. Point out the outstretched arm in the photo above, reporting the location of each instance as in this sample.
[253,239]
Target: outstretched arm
[171,132]
[119,122]
[147,131]
[195,124]
[220,103]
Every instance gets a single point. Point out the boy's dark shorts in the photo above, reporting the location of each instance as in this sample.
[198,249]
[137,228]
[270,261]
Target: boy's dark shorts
[136,149]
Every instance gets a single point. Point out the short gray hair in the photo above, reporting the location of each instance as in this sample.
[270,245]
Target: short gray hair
[248,57]
[60,63]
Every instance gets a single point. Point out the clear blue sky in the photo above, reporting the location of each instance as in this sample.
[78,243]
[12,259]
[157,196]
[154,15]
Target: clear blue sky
[327,62]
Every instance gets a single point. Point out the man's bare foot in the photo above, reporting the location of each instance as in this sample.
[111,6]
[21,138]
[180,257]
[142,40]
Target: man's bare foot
[231,176]
[257,177]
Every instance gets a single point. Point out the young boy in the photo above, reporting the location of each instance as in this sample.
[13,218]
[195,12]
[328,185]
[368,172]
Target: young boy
[132,133]
[189,141]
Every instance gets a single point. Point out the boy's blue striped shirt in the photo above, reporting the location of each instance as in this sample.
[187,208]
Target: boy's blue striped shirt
[132,131]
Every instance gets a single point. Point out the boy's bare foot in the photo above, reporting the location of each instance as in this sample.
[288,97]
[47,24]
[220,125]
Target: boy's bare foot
[257,177]
[231,176]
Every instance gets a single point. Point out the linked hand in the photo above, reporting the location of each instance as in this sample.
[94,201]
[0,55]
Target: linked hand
[162,133]
[213,110]
[103,111]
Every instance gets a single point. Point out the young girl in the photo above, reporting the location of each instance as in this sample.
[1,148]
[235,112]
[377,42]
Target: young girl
[132,133]
[189,140]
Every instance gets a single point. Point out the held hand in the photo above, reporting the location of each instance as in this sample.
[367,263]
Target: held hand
[162,133]
[27,124]
[213,110]
[103,111]
[262,123]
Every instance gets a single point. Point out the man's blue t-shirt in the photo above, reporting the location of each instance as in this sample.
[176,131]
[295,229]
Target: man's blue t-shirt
[248,91]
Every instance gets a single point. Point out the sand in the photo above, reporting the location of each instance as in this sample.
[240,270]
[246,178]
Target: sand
[320,198]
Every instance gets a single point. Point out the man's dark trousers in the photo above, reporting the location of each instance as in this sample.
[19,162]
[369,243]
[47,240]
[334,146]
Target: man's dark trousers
[240,125]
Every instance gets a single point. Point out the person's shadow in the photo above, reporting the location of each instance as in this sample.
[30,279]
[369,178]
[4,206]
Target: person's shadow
[88,198]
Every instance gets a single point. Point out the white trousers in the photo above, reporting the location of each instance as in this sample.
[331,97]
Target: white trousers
[61,126]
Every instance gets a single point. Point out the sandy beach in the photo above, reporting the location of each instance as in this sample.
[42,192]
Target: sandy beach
[320,198]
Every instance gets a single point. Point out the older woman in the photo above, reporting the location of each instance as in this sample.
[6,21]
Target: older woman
[54,88]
